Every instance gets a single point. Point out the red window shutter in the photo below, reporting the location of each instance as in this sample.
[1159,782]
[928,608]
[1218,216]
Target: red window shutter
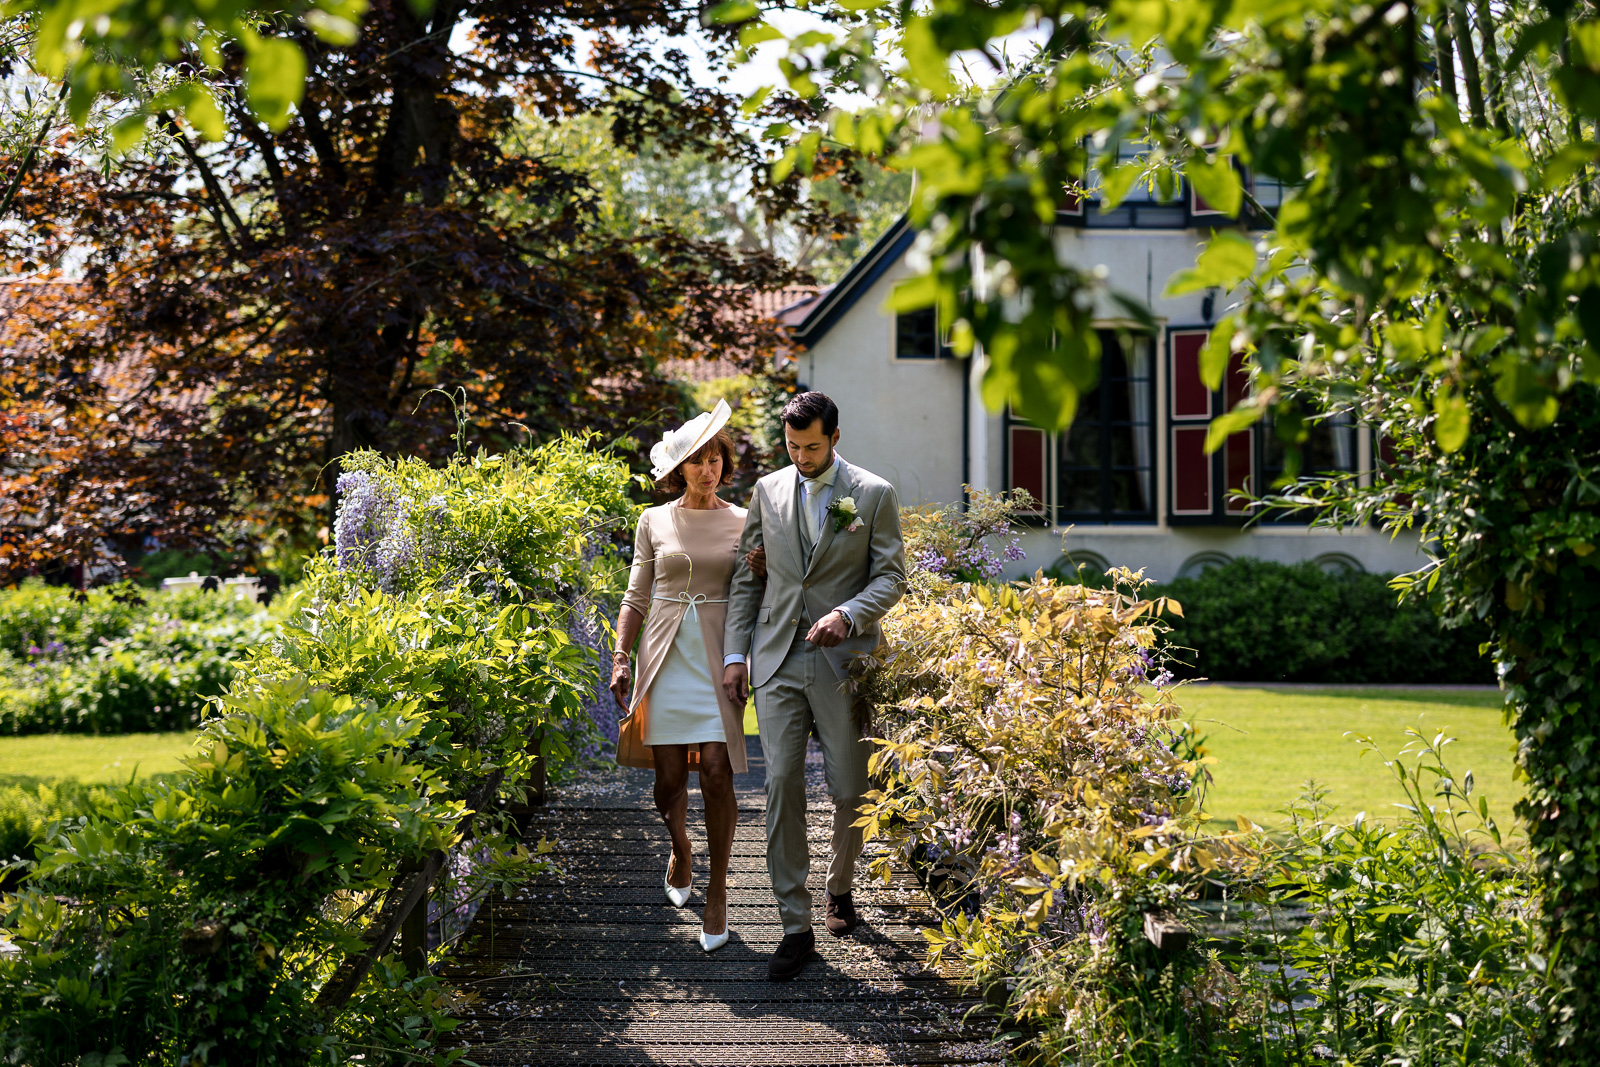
[1238,451]
[1191,471]
[1028,450]
[1190,397]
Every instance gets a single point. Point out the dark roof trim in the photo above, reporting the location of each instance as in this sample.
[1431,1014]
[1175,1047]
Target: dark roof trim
[868,269]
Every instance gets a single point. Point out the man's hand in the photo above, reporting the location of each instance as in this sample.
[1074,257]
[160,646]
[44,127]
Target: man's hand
[829,630]
[756,560]
[736,683]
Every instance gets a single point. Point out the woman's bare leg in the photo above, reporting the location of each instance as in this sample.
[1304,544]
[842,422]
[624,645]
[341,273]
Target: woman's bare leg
[672,801]
[722,814]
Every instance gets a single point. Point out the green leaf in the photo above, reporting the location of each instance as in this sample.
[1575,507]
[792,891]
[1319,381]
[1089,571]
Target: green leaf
[757,32]
[927,63]
[1567,162]
[1115,187]
[204,114]
[1452,419]
[913,293]
[1542,37]
[128,132]
[753,103]
[334,29]
[785,164]
[731,11]
[1218,183]
[1586,43]
[1227,260]
[274,80]
[1224,426]
[1214,354]
[1139,20]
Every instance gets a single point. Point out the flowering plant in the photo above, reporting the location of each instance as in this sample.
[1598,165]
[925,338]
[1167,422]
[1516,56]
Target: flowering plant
[425,663]
[845,515]
[1032,763]
[970,545]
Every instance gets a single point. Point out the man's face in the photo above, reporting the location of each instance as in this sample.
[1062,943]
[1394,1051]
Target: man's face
[810,448]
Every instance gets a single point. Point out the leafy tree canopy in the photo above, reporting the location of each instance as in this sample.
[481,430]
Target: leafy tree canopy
[208,325]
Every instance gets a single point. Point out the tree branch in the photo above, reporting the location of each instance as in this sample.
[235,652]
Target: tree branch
[245,241]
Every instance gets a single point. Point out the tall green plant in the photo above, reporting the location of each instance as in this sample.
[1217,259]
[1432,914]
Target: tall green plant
[201,918]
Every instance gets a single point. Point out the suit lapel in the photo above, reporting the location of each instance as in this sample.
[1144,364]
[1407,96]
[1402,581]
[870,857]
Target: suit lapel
[841,489]
[784,495]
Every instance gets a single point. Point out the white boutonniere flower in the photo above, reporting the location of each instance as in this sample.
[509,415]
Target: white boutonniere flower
[845,515]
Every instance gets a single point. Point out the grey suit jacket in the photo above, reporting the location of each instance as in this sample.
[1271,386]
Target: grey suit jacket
[863,571]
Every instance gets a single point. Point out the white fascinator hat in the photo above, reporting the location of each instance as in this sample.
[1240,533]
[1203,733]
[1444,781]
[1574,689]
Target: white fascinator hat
[678,445]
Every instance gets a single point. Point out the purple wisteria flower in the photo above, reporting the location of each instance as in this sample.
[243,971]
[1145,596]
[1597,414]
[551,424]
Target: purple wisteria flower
[364,517]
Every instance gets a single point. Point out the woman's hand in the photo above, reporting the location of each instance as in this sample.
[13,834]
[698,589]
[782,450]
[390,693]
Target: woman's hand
[621,681]
[756,560]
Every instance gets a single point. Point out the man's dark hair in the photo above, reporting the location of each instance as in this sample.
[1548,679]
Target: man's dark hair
[805,408]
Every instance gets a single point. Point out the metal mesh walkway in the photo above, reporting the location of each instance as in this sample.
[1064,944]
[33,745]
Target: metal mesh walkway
[590,965]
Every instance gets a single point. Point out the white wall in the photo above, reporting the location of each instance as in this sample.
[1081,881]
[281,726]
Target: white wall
[899,418]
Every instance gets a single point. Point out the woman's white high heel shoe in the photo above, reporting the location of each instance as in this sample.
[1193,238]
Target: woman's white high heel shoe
[712,942]
[678,897]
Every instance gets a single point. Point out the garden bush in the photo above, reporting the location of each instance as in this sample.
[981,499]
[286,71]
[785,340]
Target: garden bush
[29,805]
[1252,620]
[202,918]
[1032,765]
[112,661]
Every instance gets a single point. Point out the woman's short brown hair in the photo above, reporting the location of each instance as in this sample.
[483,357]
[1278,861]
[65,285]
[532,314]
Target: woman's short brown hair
[674,482]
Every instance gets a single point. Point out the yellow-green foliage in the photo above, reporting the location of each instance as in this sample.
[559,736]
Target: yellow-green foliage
[1025,757]
[28,807]
[195,919]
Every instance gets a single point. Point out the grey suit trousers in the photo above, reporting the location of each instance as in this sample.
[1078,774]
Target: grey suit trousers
[804,697]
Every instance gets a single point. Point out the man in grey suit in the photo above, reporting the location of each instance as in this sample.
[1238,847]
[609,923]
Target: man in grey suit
[835,564]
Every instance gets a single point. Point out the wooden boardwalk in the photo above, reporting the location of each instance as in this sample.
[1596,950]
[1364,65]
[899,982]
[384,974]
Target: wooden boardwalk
[591,965]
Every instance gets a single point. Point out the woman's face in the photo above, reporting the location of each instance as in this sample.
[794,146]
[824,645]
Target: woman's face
[703,473]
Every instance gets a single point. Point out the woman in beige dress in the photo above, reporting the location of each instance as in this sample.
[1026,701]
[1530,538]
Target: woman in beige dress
[683,559]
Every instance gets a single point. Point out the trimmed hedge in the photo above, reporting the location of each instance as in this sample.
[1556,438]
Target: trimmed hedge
[1256,621]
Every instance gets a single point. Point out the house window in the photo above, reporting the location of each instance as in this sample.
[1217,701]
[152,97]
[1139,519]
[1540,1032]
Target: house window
[916,335]
[1328,451]
[1104,464]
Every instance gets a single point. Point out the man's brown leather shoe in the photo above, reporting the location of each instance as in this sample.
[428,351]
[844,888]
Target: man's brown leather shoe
[794,952]
[839,915]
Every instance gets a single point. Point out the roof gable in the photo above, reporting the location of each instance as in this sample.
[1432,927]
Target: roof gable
[868,269]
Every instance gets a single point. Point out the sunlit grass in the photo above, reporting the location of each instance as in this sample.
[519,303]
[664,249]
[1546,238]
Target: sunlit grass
[90,759]
[1268,742]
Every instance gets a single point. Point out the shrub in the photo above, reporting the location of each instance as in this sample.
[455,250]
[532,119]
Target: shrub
[1254,620]
[1027,764]
[29,805]
[1036,773]
[201,918]
[113,663]
[1420,947]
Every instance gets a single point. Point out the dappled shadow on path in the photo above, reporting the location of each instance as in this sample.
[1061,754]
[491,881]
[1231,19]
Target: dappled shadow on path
[591,965]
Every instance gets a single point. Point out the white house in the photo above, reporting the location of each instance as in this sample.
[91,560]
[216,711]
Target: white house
[1129,482]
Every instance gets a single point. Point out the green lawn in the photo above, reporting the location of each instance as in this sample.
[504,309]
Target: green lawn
[1268,742]
[92,759]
